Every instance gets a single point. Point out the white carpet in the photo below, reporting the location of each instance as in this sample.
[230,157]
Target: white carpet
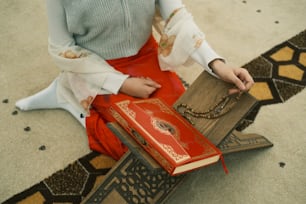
[234,28]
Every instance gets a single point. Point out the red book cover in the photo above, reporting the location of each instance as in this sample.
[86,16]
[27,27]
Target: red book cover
[175,144]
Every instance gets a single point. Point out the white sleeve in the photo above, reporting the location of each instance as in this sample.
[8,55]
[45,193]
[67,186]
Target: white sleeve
[70,57]
[168,7]
[204,54]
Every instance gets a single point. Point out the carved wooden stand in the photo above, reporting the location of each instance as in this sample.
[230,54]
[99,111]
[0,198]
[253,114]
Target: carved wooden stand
[137,178]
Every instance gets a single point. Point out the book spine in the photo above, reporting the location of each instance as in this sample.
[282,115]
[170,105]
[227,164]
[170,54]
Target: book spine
[139,137]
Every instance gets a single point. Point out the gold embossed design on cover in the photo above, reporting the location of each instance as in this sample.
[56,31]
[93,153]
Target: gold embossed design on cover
[161,106]
[164,127]
[124,105]
[173,154]
[119,118]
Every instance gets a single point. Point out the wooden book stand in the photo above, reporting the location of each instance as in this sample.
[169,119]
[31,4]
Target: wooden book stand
[137,178]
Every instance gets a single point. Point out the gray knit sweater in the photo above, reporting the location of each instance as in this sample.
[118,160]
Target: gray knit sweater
[110,28]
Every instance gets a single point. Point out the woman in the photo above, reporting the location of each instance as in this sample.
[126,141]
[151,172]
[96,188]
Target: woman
[106,53]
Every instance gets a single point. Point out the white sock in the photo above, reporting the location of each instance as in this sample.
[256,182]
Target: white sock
[47,99]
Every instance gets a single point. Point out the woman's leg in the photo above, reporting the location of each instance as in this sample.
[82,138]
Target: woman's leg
[101,138]
[47,99]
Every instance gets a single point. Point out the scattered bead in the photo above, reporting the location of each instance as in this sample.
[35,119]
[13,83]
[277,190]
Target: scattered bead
[258,11]
[5,101]
[276,22]
[282,164]
[81,115]
[27,129]
[42,148]
[244,2]
[15,112]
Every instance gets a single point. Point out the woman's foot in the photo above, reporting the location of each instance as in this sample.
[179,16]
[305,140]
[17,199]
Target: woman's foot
[47,99]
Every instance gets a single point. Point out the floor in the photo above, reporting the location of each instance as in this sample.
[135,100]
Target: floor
[239,30]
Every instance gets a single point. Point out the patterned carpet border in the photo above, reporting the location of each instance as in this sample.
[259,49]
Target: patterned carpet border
[278,73]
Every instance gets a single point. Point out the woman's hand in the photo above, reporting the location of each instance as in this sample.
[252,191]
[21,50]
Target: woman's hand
[240,77]
[139,87]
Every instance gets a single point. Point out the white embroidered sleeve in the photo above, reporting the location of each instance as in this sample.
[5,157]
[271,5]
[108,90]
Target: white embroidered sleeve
[83,73]
[182,38]
[87,65]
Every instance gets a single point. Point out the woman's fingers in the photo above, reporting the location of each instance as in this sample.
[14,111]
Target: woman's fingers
[244,80]
[140,87]
[150,82]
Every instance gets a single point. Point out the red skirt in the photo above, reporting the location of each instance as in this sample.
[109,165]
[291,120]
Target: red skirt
[144,64]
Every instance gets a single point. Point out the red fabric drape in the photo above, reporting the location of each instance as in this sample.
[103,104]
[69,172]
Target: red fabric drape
[144,64]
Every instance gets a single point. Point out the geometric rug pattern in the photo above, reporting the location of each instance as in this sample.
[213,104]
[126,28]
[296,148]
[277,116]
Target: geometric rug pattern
[69,185]
[279,74]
